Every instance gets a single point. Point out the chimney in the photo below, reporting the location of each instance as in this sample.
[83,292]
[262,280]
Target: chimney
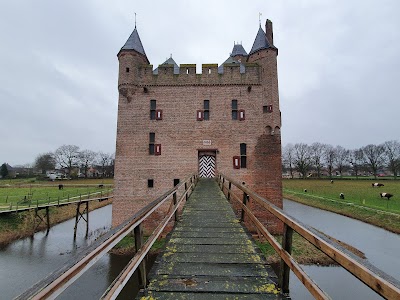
[268,32]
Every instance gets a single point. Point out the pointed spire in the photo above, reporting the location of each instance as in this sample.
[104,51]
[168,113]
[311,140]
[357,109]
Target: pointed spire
[260,42]
[134,43]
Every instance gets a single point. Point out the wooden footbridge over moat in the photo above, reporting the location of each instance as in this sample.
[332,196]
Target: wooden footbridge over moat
[209,253]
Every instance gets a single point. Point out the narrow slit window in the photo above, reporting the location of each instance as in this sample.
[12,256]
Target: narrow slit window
[243,156]
[150,183]
[176,181]
[234,109]
[153,107]
[127,70]
[152,138]
[206,112]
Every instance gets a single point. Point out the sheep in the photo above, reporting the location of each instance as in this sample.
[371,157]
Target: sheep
[331,181]
[101,186]
[377,184]
[305,190]
[386,195]
[341,196]
[60,186]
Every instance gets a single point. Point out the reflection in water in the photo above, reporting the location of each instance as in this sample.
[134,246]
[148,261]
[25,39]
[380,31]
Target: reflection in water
[380,247]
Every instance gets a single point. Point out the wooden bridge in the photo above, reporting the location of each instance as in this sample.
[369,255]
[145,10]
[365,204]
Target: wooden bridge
[209,254]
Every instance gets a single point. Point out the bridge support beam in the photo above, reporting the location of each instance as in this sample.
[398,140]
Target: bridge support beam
[44,219]
[81,215]
[284,268]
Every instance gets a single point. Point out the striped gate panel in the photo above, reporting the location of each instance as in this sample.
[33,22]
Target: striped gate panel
[207,166]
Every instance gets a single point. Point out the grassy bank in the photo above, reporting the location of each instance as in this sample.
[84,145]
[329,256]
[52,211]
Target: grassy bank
[303,251]
[20,225]
[23,194]
[361,202]
[127,246]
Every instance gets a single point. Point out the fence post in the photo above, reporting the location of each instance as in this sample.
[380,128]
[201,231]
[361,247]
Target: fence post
[244,203]
[285,269]
[138,233]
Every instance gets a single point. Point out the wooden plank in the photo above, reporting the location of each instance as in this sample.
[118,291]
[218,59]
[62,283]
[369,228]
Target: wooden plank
[205,269]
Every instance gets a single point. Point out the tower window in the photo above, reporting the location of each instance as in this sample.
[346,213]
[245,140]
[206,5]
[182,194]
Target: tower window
[153,107]
[176,181]
[234,109]
[150,183]
[206,112]
[267,109]
[152,138]
[243,157]
[127,70]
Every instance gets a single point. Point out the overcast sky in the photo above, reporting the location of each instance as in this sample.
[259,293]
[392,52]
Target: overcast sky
[338,65]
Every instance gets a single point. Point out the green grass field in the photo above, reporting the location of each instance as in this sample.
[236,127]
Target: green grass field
[25,193]
[359,192]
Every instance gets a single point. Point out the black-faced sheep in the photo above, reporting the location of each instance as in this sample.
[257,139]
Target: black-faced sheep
[60,186]
[386,195]
[341,196]
[377,184]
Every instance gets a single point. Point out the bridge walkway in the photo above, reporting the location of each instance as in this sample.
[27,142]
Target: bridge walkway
[210,256]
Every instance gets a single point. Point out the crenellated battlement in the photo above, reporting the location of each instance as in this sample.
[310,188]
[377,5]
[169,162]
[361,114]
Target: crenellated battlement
[212,74]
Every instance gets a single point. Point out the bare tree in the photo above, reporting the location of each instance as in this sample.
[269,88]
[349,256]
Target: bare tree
[341,158]
[330,156]
[105,160]
[67,156]
[45,162]
[302,158]
[87,158]
[374,157]
[356,160]
[288,159]
[392,153]
[317,152]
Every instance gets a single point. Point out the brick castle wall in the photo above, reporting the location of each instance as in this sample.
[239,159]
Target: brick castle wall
[181,136]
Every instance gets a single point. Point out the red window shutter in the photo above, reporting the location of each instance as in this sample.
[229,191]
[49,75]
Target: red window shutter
[200,115]
[157,149]
[236,162]
[242,115]
[158,114]
[269,108]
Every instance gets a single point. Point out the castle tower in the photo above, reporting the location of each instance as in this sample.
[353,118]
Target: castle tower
[267,154]
[173,123]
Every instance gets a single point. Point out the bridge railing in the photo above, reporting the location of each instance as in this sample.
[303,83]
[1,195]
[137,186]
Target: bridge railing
[53,285]
[376,279]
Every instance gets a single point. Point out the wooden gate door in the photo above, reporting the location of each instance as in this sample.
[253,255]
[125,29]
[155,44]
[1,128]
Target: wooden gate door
[207,166]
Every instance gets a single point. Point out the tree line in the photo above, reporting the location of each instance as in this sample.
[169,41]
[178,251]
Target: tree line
[324,159]
[71,158]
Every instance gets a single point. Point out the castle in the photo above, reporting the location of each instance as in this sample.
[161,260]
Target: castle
[173,123]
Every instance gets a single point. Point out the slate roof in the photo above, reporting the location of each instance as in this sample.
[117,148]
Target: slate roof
[238,50]
[260,42]
[231,60]
[134,43]
[169,61]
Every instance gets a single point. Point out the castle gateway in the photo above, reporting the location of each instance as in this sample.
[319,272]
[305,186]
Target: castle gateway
[173,123]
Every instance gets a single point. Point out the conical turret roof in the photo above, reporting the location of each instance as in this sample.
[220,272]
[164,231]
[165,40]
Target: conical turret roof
[261,42]
[134,43]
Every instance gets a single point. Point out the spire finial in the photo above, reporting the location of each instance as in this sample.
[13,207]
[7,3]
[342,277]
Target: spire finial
[170,55]
[259,18]
[135,21]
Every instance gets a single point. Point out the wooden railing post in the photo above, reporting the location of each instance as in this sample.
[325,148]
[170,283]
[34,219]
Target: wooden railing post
[285,269]
[186,188]
[244,203]
[176,212]
[229,191]
[138,233]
